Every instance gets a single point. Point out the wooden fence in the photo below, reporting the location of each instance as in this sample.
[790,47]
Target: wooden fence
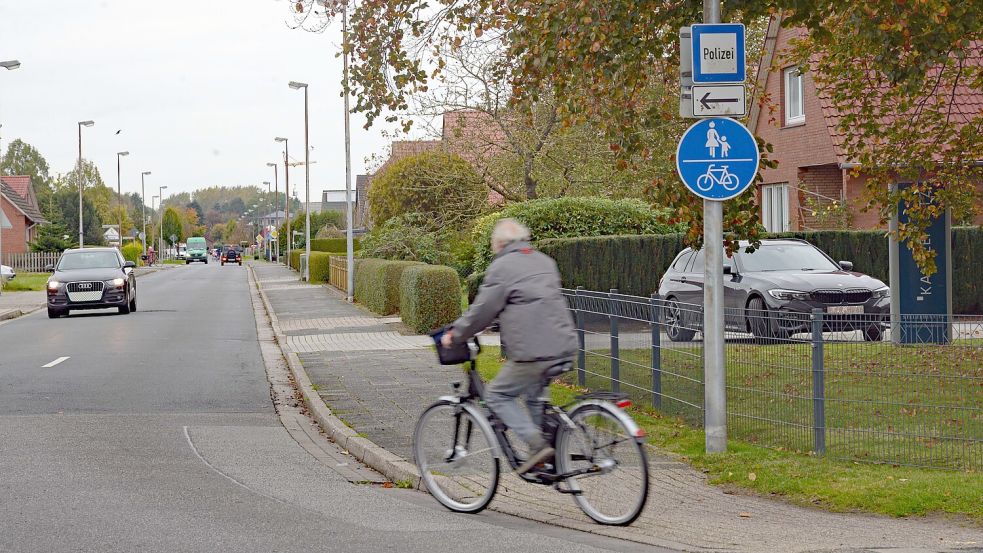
[338,272]
[32,262]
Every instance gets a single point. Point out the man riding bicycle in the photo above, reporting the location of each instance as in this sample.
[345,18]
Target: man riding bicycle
[522,290]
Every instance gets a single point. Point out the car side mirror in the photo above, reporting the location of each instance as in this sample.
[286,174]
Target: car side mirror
[846,265]
[129,265]
[49,268]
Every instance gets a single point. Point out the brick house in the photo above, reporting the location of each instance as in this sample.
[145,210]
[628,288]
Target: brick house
[813,170]
[20,206]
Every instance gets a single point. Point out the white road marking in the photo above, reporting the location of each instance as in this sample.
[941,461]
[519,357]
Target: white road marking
[55,362]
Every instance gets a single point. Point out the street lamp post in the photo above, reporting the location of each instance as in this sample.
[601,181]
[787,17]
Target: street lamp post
[307,181]
[119,195]
[143,202]
[9,65]
[286,192]
[160,245]
[153,202]
[349,240]
[269,248]
[276,207]
[78,174]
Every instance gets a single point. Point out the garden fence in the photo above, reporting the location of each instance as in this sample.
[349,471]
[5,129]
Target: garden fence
[834,385]
[31,262]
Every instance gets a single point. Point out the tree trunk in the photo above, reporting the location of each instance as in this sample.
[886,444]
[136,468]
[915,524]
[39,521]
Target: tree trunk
[530,183]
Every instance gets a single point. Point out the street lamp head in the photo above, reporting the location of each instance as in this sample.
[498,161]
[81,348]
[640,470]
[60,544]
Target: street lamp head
[271,164]
[296,85]
[145,173]
[122,153]
[280,139]
[87,123]
[266,182]
[10,65]
[163,188]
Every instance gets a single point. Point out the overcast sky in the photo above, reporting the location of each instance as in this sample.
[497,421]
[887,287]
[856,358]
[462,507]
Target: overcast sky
[198,90]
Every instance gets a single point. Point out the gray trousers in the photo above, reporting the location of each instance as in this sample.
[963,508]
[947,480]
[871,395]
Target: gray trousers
[516,380]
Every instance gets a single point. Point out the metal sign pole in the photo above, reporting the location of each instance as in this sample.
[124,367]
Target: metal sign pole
[714,380]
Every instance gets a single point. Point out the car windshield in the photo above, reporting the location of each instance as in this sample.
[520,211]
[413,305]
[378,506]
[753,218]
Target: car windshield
[88,260]
[786,257]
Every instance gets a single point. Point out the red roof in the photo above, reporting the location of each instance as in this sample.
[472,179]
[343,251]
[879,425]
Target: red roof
[21,184]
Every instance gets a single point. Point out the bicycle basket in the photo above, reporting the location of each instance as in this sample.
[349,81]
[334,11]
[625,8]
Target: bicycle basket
[454,355]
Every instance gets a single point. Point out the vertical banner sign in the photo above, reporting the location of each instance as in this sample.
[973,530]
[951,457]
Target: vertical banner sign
[925,300]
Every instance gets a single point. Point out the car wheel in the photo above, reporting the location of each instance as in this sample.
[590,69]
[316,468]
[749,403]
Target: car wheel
[223,264]
[133,304]
[675,325]
[55,313]
[762,324]
[124,309]
[873,333]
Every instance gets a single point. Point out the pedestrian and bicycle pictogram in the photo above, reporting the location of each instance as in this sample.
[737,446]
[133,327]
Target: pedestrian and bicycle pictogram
[717,159]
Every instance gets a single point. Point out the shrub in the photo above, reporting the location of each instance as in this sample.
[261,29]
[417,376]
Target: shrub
[320,263]
[333,244]
[632,264]
[377,284]
[473,282]
[429,296]
[572,217]
[132,251]
[295,259]
[441,186]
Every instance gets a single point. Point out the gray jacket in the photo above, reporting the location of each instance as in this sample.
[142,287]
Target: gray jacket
[522,289]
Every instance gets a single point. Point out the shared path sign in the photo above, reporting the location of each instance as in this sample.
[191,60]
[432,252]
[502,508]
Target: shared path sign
[717,158]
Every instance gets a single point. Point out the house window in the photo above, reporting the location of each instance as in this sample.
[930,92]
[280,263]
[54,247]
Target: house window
[774,207]
[794,106]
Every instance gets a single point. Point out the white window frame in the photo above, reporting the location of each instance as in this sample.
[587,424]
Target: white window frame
[774,207]
[792,80]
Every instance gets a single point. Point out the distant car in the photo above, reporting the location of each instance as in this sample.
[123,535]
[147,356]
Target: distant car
[231,256]
[91,278]
[7,273]
[771,292]
[182,252]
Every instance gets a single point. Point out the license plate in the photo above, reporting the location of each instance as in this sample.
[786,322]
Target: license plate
[846,310]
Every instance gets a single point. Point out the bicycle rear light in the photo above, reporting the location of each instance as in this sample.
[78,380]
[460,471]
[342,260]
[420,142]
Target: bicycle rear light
[624,404]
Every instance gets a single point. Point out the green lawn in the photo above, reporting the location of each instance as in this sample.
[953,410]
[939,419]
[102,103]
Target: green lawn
[802,478]
[25,282]
[883,402]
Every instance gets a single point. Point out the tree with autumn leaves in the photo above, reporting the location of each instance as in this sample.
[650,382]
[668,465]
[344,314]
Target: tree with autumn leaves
[889,67]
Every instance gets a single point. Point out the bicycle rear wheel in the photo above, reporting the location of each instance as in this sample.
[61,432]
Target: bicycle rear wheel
[457,453]
[616,489]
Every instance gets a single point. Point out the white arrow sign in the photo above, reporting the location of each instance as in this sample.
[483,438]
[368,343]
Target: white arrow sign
[719,100]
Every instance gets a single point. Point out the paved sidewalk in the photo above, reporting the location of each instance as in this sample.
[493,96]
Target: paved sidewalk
[380,389]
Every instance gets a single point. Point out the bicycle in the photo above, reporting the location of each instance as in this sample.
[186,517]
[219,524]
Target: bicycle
[600,453]
[726,179]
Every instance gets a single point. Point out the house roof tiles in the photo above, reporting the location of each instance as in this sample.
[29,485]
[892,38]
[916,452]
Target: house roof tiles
[20,202]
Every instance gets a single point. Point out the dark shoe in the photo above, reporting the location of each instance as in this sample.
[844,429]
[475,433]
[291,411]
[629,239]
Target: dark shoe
[540,456]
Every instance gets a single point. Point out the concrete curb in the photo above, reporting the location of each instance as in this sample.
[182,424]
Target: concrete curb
[389,464]
[11,314]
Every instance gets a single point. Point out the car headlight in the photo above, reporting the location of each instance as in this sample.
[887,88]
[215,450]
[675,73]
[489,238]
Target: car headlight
[780,294]
[53,285]
[884,292]
[117,282]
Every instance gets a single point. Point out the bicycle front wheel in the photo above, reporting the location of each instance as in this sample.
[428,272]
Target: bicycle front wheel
[456,451]
[614,488]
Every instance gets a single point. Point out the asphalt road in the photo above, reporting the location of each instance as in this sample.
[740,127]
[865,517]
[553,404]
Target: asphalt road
[157,433]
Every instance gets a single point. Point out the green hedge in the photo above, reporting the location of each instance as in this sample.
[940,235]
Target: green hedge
[295,259]
[473,282]
[429,296]
[377,284]
[333,244]
[571,217]
[132,251]
[320,263]
[634,264]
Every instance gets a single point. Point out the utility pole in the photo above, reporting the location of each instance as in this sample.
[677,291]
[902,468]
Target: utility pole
[119,195]
[286,193]
[276,208]
[143,203]
[349,241]
[81,185]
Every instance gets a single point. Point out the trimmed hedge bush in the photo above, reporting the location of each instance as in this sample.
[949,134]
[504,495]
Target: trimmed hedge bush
[473,282]
[132,251]
[429,296]
[320,265]
[377,284]
[295,259]
[572,217]
[634,264]
[333,244]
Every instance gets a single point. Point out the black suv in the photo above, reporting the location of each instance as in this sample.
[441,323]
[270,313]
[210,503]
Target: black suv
[771,292]
[231,256]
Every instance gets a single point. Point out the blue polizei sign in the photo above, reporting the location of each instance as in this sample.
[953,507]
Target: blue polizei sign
[717,158]
[719,55]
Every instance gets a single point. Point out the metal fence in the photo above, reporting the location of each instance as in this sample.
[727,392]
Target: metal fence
[31,262]
[832,384]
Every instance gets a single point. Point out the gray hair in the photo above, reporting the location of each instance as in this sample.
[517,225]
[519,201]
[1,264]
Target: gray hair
[506,231]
